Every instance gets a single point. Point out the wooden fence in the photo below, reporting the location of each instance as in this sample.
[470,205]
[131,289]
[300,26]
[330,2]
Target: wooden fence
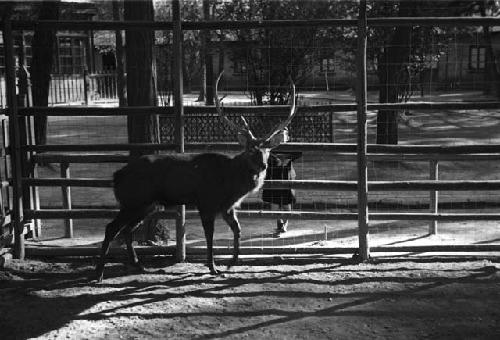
[82,88]
[65,89]
[361,151]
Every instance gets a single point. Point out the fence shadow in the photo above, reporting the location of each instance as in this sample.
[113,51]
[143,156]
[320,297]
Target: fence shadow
[53,300]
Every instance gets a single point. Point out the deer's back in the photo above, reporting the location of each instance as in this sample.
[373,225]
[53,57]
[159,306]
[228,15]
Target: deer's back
[171,179]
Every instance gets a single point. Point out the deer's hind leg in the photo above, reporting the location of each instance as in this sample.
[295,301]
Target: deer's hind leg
[208,221]
[234,224]
[127,234]
[125,218]
[132,255]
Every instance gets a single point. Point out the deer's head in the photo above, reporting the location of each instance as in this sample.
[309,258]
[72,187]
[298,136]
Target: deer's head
[256,150]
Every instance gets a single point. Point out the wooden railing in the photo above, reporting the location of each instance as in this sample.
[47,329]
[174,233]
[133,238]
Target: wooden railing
[433,185]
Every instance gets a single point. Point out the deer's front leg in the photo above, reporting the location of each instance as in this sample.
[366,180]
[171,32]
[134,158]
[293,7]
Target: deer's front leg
[234,224]
[207,220]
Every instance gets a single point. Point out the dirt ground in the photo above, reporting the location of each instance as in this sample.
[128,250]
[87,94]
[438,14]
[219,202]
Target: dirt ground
[268,298]
[407,297]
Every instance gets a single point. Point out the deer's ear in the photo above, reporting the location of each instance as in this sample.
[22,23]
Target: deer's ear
[243,139]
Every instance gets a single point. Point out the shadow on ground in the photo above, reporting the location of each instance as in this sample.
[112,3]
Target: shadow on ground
[267,298]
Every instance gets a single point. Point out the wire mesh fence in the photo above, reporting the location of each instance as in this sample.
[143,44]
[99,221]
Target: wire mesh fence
[432,65]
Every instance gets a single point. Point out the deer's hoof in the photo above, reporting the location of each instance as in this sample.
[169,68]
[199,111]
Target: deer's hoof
[214,270]
[96,278]
[136,267]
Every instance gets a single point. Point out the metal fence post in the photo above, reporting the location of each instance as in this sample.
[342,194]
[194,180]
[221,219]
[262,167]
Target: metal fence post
[434,196]
[332,126]
[15,139]
[85,87]
[361,90]
[66,199]
[179,126]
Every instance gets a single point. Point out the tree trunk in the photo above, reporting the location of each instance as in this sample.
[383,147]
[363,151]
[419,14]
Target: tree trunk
[203,74]
[139,65]
[120,77]
[391,71]
[209,69]
[491,76]
[210,80]
[41,66]
[203,56]
[186,73]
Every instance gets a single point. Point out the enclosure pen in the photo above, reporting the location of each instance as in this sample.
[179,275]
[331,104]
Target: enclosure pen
[360,152]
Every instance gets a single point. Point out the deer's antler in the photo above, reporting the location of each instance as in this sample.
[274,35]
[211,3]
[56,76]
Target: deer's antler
[284,124]
[245,129]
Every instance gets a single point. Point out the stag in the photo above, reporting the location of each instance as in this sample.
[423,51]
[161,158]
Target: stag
[214,183]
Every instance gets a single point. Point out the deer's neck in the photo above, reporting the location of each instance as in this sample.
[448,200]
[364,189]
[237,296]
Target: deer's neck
[250,179]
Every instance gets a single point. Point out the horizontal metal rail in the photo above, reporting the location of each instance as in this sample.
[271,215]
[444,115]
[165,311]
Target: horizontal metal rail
[34,251]
[192,214]
[169,110]
[323,147]
[100,147]
[320,185]
[93,111]
[44,158]
[442,217]
[73,182]
[266,214]
[416,185]
[248,24]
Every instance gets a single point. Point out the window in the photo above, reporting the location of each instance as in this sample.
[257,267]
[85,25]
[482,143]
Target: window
[477,58]
[239,67]
[327,65]
[70,55]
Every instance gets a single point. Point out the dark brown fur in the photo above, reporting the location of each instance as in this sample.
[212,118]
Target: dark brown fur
[215,183]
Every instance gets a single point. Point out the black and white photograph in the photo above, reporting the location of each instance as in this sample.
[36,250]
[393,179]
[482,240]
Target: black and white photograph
[250,169]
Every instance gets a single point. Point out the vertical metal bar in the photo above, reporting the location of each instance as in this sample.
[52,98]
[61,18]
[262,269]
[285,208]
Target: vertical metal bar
[434,196]
[66,199]
[364,248]
[51,92]
[15,139]
[67,89]
[332,127]
[6,144]
[60,89]
[179,126]
[4,192]
[85,87]
[35,193]
[108,84]
[74,94]
[36,202]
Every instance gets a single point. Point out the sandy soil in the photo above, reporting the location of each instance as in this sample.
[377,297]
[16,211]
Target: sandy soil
[267,298]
